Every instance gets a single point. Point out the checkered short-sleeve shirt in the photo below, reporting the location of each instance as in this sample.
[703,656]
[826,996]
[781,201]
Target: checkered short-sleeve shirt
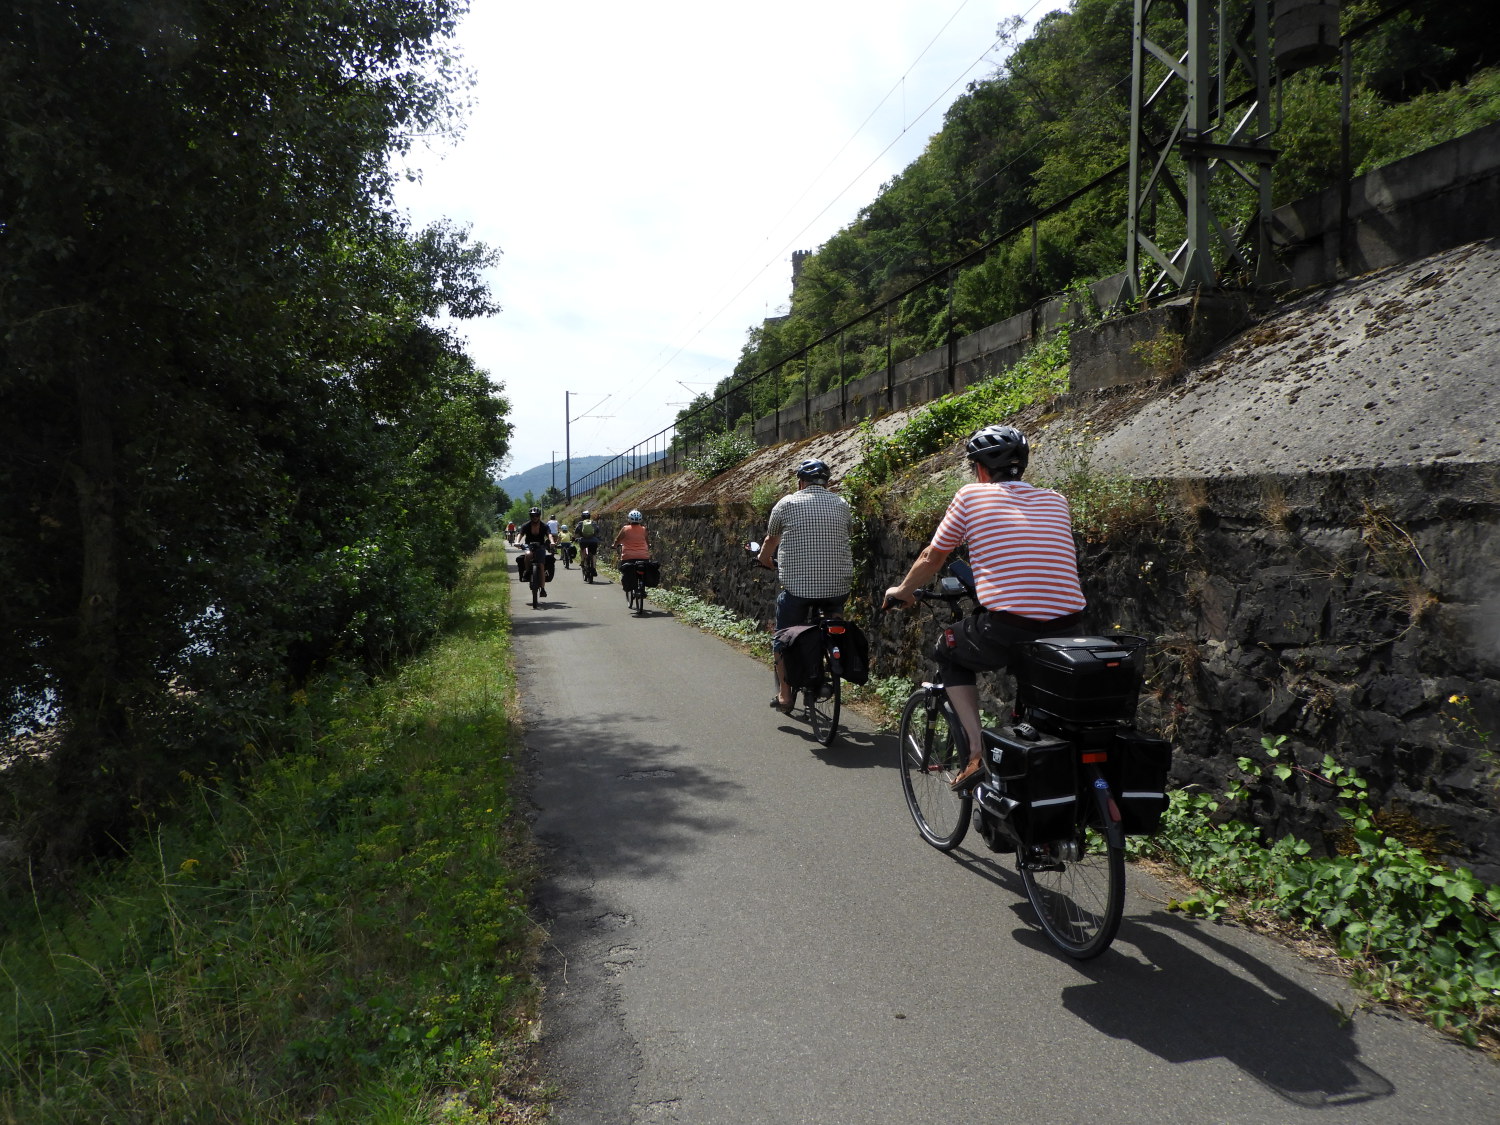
[813,558]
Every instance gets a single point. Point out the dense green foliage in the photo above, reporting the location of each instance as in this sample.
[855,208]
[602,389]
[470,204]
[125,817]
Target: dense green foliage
[233,441]
[720,452]
[1051,121]
[342,938]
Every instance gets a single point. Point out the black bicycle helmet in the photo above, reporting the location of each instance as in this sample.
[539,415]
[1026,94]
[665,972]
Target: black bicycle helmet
[814,471]
[536,513]
[1002,450]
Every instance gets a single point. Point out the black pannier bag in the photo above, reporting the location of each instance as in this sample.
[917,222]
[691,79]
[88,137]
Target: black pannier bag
[1137,770]
[1084,682]
[1040,775]
[802,656]
[849,649]
[645,571]
[523,566]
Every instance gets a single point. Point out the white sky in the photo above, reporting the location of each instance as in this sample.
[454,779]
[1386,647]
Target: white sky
[647,172]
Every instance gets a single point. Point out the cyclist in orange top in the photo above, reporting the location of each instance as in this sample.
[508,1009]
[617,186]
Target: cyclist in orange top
[632,546]
[631,541]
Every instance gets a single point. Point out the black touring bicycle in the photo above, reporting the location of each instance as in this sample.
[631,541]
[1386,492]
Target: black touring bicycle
[1063,784]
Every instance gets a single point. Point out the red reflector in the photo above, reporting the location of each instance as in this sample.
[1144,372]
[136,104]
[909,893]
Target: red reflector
[1096,756]
[836,630]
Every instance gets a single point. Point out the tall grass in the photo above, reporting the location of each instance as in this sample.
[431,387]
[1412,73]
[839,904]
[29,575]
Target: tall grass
[343,936]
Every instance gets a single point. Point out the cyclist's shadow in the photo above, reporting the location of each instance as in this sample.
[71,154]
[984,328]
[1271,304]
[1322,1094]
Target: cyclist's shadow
[852,749]
[1185,1006]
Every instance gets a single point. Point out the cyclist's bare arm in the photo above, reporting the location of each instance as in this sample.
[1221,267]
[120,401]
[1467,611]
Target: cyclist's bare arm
[767,556]
[923,571]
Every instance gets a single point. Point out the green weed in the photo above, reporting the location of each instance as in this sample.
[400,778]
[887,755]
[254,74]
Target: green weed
[1416,930]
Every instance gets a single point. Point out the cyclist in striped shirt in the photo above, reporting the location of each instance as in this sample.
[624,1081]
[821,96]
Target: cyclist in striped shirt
[1025,565]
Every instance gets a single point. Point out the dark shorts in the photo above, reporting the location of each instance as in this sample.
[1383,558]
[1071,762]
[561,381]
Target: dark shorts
[792,610]
[986,641]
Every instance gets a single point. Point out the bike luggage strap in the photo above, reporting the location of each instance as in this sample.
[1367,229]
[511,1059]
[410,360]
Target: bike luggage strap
[1055,626]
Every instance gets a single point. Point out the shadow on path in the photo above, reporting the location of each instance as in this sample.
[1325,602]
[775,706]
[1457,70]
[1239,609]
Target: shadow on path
[1186,1004]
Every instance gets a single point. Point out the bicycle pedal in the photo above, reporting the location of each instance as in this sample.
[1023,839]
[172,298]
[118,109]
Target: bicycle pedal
[1042,863]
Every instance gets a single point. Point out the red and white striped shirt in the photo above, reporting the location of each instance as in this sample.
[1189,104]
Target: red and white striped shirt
[1020,547]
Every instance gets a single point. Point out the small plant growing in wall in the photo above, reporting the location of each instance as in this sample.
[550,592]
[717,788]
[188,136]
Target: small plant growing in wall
[1164,355]
[764,494]
[720,453]
[1106,506]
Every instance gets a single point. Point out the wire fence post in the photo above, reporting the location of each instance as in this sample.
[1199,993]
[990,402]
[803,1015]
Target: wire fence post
[777,392]
[952,343]
[807,396]
[843,386]
[890,368]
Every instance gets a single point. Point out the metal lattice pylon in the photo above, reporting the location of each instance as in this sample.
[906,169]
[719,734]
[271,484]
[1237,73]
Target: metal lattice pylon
[1208,113]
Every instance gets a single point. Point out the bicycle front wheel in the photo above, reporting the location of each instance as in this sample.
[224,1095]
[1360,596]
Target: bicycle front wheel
[822,702]
[931,757]
[1077,888]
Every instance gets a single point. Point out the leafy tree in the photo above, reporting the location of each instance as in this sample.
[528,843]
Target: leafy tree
[234,443]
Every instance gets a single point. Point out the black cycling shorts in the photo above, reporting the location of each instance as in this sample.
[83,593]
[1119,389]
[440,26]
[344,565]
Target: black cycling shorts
[986,641]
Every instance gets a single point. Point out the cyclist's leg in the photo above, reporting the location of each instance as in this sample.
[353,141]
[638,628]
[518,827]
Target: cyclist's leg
[790,610]
[979,643]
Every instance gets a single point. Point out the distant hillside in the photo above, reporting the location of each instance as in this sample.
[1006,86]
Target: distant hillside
[540,478]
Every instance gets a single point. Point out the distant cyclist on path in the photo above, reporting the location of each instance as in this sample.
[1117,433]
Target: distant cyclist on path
[536,537]
[588,535]
[811,528]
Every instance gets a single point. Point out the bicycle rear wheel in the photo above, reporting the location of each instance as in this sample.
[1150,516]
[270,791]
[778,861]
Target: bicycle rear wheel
[1077,887]
[931,757]
[822,703]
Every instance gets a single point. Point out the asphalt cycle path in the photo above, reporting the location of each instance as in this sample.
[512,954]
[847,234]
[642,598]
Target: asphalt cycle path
[745,929]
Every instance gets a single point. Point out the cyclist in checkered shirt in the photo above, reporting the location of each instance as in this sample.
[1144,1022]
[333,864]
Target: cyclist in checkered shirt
[811,526]
[1025,566]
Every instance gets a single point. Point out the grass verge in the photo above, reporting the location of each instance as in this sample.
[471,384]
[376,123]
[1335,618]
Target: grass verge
[342,937]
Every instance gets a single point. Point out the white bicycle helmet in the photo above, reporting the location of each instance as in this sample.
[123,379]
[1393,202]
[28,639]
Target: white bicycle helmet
[634,516]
